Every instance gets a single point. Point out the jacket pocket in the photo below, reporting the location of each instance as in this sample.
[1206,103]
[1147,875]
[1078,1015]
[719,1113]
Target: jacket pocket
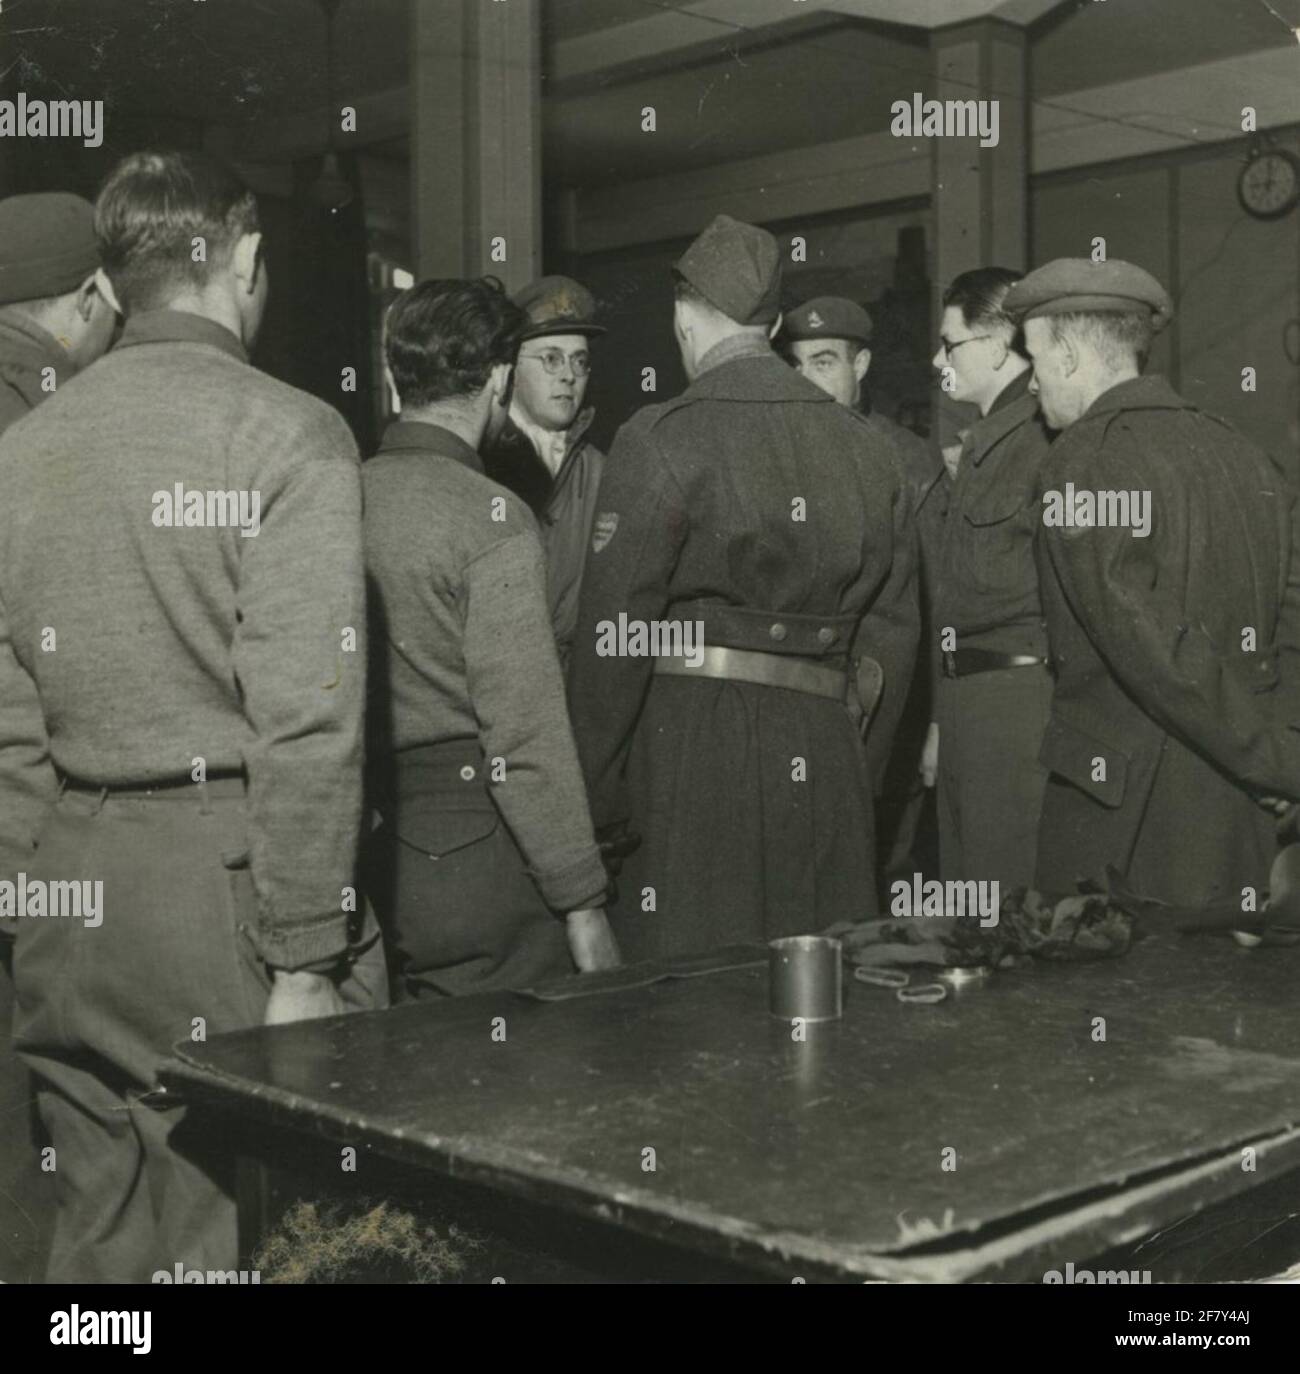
[1074,755]
[438,828]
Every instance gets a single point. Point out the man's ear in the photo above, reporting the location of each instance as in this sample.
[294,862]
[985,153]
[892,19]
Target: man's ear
[861,362]
[502,374]
[1070,356]
[247,260]
[105,289]
[85,303]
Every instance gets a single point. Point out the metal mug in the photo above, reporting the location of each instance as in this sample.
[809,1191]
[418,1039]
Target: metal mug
[805,978]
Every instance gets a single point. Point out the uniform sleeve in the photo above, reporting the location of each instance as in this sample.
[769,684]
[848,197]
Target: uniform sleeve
[640,527]
[890,632]
[300,658]
[513,676]
[1169,666]
[28,785]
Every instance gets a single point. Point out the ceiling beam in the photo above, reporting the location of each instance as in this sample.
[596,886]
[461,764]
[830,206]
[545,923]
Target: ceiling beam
[380,116]
[716,24]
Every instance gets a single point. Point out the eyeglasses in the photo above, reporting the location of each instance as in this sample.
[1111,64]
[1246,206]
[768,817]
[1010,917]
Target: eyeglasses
[949,348]
[554,359]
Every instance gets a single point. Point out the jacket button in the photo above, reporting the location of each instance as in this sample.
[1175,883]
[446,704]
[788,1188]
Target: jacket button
[826,635]
[467,773]
[778,631]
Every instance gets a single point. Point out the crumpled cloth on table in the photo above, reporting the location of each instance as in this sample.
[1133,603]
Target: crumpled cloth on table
[1073,929]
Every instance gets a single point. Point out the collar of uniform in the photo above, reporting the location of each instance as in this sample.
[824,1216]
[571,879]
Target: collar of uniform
[738,346]
[15,324]
[180,326]
[419,436]
[1138,393]
[1014,405]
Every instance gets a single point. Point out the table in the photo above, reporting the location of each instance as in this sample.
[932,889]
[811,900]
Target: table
[996,1135]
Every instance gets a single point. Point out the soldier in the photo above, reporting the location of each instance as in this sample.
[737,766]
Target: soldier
[55,313]
[1166,542]
[55,319]
[993,685]
[751,517]
[827,339]
[543,454]
[180,718]
[484,869]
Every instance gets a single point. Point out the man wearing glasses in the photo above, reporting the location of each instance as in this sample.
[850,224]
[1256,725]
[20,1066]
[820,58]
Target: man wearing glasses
[543,455]
[993,691]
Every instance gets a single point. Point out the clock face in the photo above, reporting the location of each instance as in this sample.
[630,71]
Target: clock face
[1269,185]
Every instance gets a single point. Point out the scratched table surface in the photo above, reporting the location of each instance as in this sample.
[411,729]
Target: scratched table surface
[827,1155]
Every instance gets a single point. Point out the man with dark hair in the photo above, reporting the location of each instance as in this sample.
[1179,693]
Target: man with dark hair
[181,697]
[484,868]
[1166,542]
[543,453]
[749,530]
[992,685]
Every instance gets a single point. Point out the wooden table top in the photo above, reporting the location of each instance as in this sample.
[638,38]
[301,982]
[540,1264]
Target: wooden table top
[825,1157]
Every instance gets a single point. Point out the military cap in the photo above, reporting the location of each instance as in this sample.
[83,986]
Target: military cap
[47,245]
[1071,285]
[828,317]
[557,305]
[736,267]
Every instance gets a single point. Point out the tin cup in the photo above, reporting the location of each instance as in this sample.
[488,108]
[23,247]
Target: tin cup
[805,978]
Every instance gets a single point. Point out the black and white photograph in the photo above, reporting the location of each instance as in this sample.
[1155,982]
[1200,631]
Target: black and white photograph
[650,643]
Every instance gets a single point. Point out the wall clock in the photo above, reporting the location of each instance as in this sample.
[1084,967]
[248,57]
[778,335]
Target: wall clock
[1269,184]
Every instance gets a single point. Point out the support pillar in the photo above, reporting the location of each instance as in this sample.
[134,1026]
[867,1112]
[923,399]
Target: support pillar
[980,196]
[476,131]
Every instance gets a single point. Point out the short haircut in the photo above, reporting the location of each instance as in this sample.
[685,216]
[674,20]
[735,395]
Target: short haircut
[1120,338]
[445,337]
[979,295]
[151,209]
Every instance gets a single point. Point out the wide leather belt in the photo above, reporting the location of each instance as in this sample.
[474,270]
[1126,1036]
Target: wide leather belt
[763,670]
[964,662]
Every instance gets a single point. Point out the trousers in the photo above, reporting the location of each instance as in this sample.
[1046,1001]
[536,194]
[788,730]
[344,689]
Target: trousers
[459,910]
[138,1185]
[990,783]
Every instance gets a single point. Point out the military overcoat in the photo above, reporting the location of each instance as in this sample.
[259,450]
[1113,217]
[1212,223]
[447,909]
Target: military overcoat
[1164,723]
[753,496]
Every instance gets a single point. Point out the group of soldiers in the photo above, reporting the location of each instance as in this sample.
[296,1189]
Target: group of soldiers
[377,747]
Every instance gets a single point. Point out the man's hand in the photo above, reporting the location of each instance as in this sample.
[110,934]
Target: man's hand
[591,941]
[302,997]
[929,768]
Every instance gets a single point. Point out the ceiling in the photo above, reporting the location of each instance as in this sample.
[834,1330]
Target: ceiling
[832,84]
[244,62]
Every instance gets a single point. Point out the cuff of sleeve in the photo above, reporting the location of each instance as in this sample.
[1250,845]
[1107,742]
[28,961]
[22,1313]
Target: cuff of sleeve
[295,948]
[580,884]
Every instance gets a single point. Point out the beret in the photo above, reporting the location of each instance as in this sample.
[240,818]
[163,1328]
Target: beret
[557,305]
[828,317]
[736,267]
[1068,285]
[47,245]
